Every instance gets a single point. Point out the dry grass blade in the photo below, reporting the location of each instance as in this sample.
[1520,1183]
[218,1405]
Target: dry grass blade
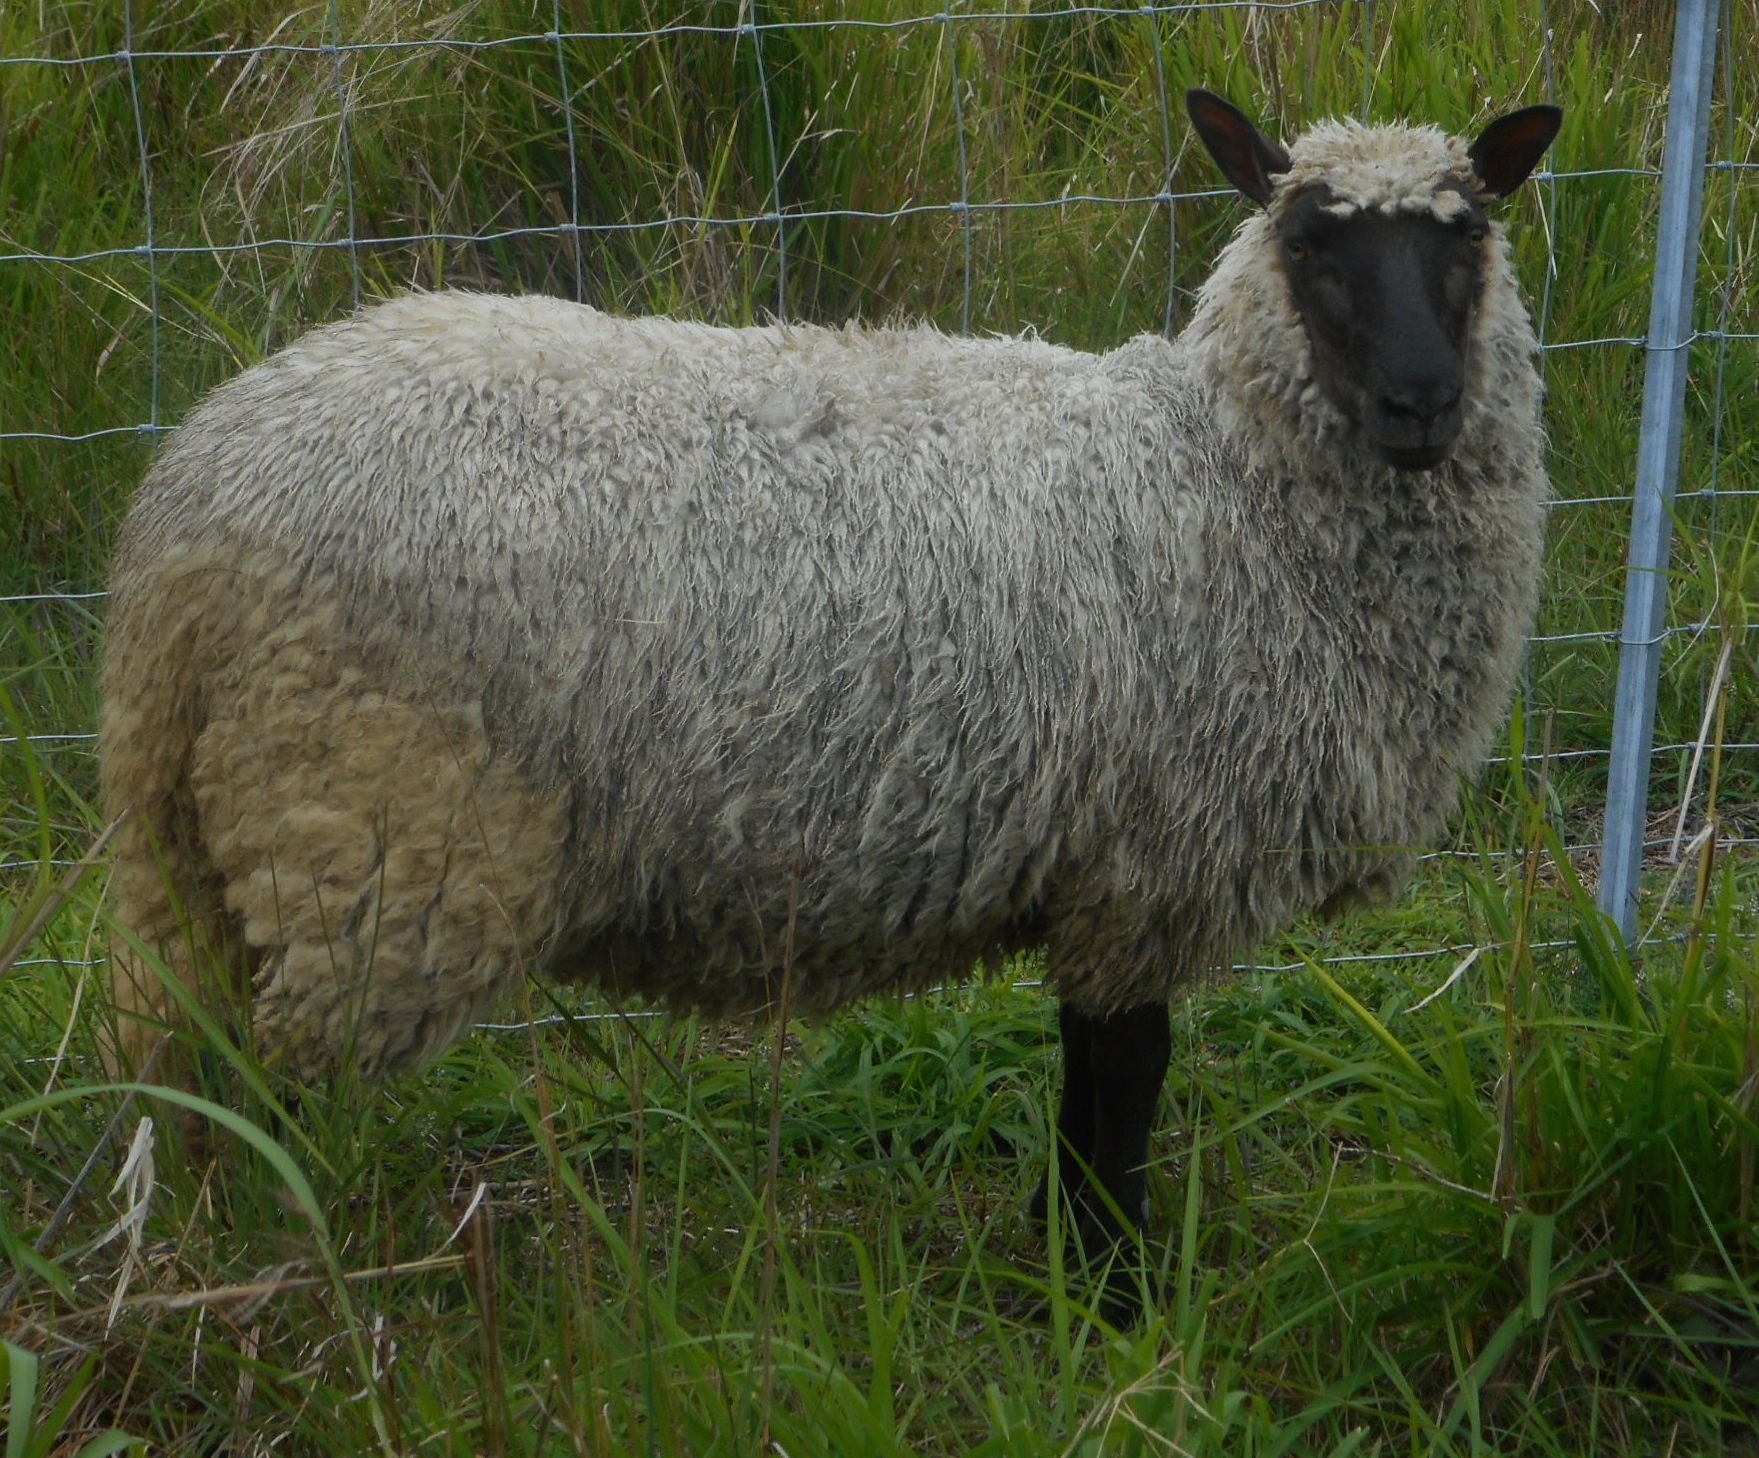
[250,1296]
[1459,971]
[773,1168]
[64,1211]
[1712,700]
[136,1182]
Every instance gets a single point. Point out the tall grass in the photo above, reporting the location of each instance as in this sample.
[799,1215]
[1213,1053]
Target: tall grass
[1504,1203]
[463,167]
[1498,1201]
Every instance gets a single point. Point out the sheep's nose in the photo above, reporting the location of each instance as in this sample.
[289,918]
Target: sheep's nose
[1417,406]
[1416,421]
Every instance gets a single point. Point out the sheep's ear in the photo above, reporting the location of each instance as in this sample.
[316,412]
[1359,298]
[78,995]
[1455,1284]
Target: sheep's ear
[1511,146]
[1245,155]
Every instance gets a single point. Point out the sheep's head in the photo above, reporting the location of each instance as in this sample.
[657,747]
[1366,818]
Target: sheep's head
[1383,243]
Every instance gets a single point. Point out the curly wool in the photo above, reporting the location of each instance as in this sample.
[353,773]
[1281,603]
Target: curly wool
[476,634]
[1410,170]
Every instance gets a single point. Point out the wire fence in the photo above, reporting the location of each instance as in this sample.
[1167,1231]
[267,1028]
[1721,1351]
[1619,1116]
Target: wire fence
[299,212]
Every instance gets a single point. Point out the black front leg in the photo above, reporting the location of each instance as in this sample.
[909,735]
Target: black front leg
[1113,1069]
[1129,1051]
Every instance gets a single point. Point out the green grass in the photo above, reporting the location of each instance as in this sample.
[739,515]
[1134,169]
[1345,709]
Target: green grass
[1515,1219]
[1400,1211]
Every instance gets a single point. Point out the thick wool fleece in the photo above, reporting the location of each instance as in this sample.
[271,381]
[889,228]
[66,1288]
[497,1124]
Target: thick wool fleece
[478,634]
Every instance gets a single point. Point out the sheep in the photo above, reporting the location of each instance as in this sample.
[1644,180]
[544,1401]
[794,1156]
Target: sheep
[476,635]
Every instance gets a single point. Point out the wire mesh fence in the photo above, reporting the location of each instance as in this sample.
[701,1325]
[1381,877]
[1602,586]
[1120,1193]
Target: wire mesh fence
[985,168]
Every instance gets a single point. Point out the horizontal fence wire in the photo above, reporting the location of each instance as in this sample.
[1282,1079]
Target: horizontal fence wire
[597,1015]
[769,217]
[784,219]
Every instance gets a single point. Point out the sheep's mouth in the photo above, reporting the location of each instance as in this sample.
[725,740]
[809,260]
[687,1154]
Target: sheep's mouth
[1414,458]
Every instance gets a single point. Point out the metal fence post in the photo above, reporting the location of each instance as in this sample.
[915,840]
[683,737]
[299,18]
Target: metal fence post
[1658,458]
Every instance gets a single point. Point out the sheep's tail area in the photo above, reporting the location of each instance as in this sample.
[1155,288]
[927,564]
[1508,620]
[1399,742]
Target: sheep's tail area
[168,915]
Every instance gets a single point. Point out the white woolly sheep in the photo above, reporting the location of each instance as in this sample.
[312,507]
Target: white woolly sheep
[474,635]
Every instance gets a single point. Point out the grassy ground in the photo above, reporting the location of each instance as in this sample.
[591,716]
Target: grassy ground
[1517,1218]
[1458,1204]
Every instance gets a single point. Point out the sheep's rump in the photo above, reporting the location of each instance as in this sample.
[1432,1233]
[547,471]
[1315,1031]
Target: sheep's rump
[476,634]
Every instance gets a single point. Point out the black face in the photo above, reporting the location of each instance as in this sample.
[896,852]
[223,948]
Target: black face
[1388,304]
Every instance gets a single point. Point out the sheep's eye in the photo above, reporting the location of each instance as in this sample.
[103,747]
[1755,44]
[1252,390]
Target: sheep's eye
[1476,237]
[1297,249]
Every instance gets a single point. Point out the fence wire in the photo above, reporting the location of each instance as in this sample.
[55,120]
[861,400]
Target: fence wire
[735,255]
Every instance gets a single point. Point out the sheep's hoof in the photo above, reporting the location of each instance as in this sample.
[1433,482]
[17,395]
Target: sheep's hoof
[1117,1262]
[1115,1258]
[1129,1286]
